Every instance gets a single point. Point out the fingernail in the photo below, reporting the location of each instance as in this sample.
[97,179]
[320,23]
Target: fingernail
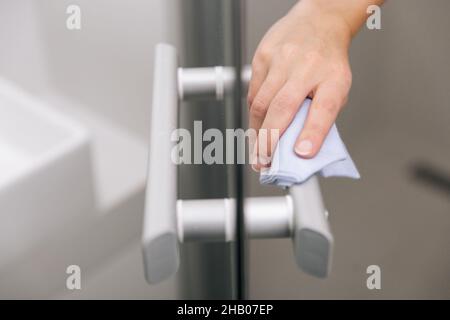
[304,148]
[254,163]
[264,160]
[254,159]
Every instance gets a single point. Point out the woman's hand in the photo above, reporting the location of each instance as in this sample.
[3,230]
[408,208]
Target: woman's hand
[303,54]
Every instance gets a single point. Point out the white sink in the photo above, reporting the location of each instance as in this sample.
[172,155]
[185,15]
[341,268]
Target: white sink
[45,173]
[46,194]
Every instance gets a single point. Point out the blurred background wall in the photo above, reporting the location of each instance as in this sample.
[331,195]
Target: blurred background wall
[101,78]
[396,125]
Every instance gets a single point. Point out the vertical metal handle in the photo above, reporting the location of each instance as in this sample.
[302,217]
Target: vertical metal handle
[159,238]
[312,238]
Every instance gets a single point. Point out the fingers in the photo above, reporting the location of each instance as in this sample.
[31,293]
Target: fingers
[280,113]
[260,103]
[259,74]
[326,104]
[262,61]
[266,93]
[260,69]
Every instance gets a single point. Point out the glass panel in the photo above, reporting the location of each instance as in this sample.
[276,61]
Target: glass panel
[210,270]
[396,127]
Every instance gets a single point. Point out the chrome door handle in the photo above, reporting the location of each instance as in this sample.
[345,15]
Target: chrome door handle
[160,237]
[300,215]
[167,221]
[312,238]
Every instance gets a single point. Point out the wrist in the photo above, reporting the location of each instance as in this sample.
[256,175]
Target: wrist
[352,13]
[323,20]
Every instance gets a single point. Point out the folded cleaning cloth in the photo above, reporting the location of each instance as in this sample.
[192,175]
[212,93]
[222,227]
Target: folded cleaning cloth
[287,168]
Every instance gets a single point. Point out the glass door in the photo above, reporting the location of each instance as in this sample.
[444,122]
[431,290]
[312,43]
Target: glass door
[210,218]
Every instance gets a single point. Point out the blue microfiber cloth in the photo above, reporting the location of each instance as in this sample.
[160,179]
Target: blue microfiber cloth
[287,168]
